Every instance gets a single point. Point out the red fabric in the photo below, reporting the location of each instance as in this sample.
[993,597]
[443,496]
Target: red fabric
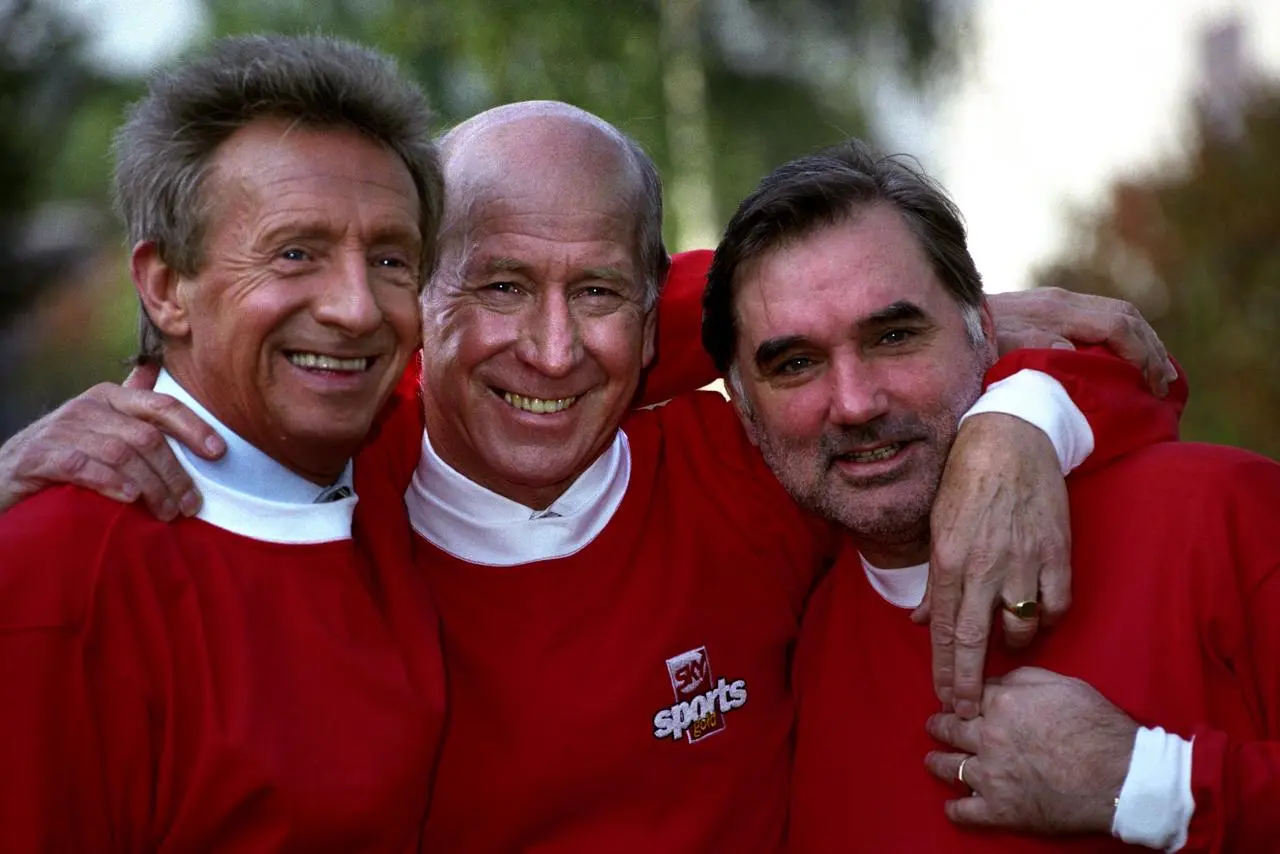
[1177,584]
[1112,394]
[175,687]
[681,364]
[557,669]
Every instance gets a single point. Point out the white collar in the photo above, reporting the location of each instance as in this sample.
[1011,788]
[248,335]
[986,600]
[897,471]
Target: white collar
[250,494]
[244,467]
[903,588]
[480,526]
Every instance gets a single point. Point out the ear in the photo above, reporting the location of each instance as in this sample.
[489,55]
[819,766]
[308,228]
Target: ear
[989,332]
[157,286]
[650,346]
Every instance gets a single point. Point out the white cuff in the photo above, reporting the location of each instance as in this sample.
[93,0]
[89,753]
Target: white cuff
[1156,804]
[1041,401]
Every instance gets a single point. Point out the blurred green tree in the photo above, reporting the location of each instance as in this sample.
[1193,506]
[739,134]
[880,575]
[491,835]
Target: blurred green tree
[1196,246]
[40,79]
[717,91]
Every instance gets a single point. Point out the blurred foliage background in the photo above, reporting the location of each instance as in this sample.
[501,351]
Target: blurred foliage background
[718,91]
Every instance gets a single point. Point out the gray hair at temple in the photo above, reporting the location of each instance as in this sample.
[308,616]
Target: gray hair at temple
[654,260]
[826,188]
[164,149]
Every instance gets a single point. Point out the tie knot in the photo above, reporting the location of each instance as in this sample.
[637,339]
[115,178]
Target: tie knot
[334,493]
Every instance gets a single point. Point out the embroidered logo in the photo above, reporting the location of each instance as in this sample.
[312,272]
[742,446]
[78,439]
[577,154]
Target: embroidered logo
[701,700]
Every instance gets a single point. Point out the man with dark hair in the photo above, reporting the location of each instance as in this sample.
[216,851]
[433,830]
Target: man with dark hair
[848,313]
[253,678]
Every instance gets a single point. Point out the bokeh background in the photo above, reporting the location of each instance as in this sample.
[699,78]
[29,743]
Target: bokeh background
[1122,147]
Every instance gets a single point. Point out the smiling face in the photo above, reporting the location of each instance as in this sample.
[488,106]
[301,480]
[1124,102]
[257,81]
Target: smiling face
[855,366]
[535,330]
[305,309]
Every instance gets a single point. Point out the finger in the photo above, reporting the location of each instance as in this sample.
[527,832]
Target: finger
[142,376]
[117,451]
[1055,588]
[974,811]
[77,468]
[1018,631]
[1154,358]
[944,601]
[1019,587]
[167,487]
[920,616]
[946,767]
[170,416]
[1132,338]
[973,629]
[949,728]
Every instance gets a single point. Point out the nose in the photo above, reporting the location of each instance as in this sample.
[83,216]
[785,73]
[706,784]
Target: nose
[549,338]
[346,300]
[857,395]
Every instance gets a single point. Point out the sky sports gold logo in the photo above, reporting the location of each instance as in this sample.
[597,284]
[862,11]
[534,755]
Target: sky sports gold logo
[702,701]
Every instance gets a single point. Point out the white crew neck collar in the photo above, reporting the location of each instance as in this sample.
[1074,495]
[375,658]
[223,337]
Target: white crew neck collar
[902,588]
[480,526]
[248,493]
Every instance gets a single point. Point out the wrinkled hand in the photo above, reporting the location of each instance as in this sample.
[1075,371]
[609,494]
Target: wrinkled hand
[1001,535]
[111,440]
[1049,755]
[1053,317]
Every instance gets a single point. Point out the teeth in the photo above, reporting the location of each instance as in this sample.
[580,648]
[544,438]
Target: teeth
[327,363]
[537,405]
[875,456]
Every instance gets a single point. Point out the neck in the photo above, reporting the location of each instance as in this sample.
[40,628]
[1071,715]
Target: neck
[533,496]
[320,463]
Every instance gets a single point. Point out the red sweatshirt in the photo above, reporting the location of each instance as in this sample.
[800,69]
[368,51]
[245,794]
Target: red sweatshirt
[1177,584]
[180,687]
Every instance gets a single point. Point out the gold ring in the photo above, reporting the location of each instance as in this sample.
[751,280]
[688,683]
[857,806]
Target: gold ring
[960,772]
[1027,609]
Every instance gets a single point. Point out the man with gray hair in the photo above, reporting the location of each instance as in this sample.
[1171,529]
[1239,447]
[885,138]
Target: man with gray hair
[257,677]
[845,306]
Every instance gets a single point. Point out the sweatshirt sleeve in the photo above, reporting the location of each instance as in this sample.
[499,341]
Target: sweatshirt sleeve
[1123,414]
[681,365]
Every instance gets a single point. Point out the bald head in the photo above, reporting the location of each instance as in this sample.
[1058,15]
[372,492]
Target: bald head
[564,157]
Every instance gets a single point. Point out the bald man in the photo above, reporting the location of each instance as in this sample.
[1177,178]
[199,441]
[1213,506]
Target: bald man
[619,590]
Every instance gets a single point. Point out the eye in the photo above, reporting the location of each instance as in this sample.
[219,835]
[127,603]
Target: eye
[293,253]
[503,287]
[794,365]
[599,291]
[897,336]
[391,262]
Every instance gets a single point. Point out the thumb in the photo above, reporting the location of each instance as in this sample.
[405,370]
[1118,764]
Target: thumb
[920,616]
[143,376]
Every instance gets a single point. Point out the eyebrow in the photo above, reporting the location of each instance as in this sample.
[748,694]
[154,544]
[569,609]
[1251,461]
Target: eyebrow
[898,312]
[771,349]
[902,311]
[608,274]
[314,229]
[504,264]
